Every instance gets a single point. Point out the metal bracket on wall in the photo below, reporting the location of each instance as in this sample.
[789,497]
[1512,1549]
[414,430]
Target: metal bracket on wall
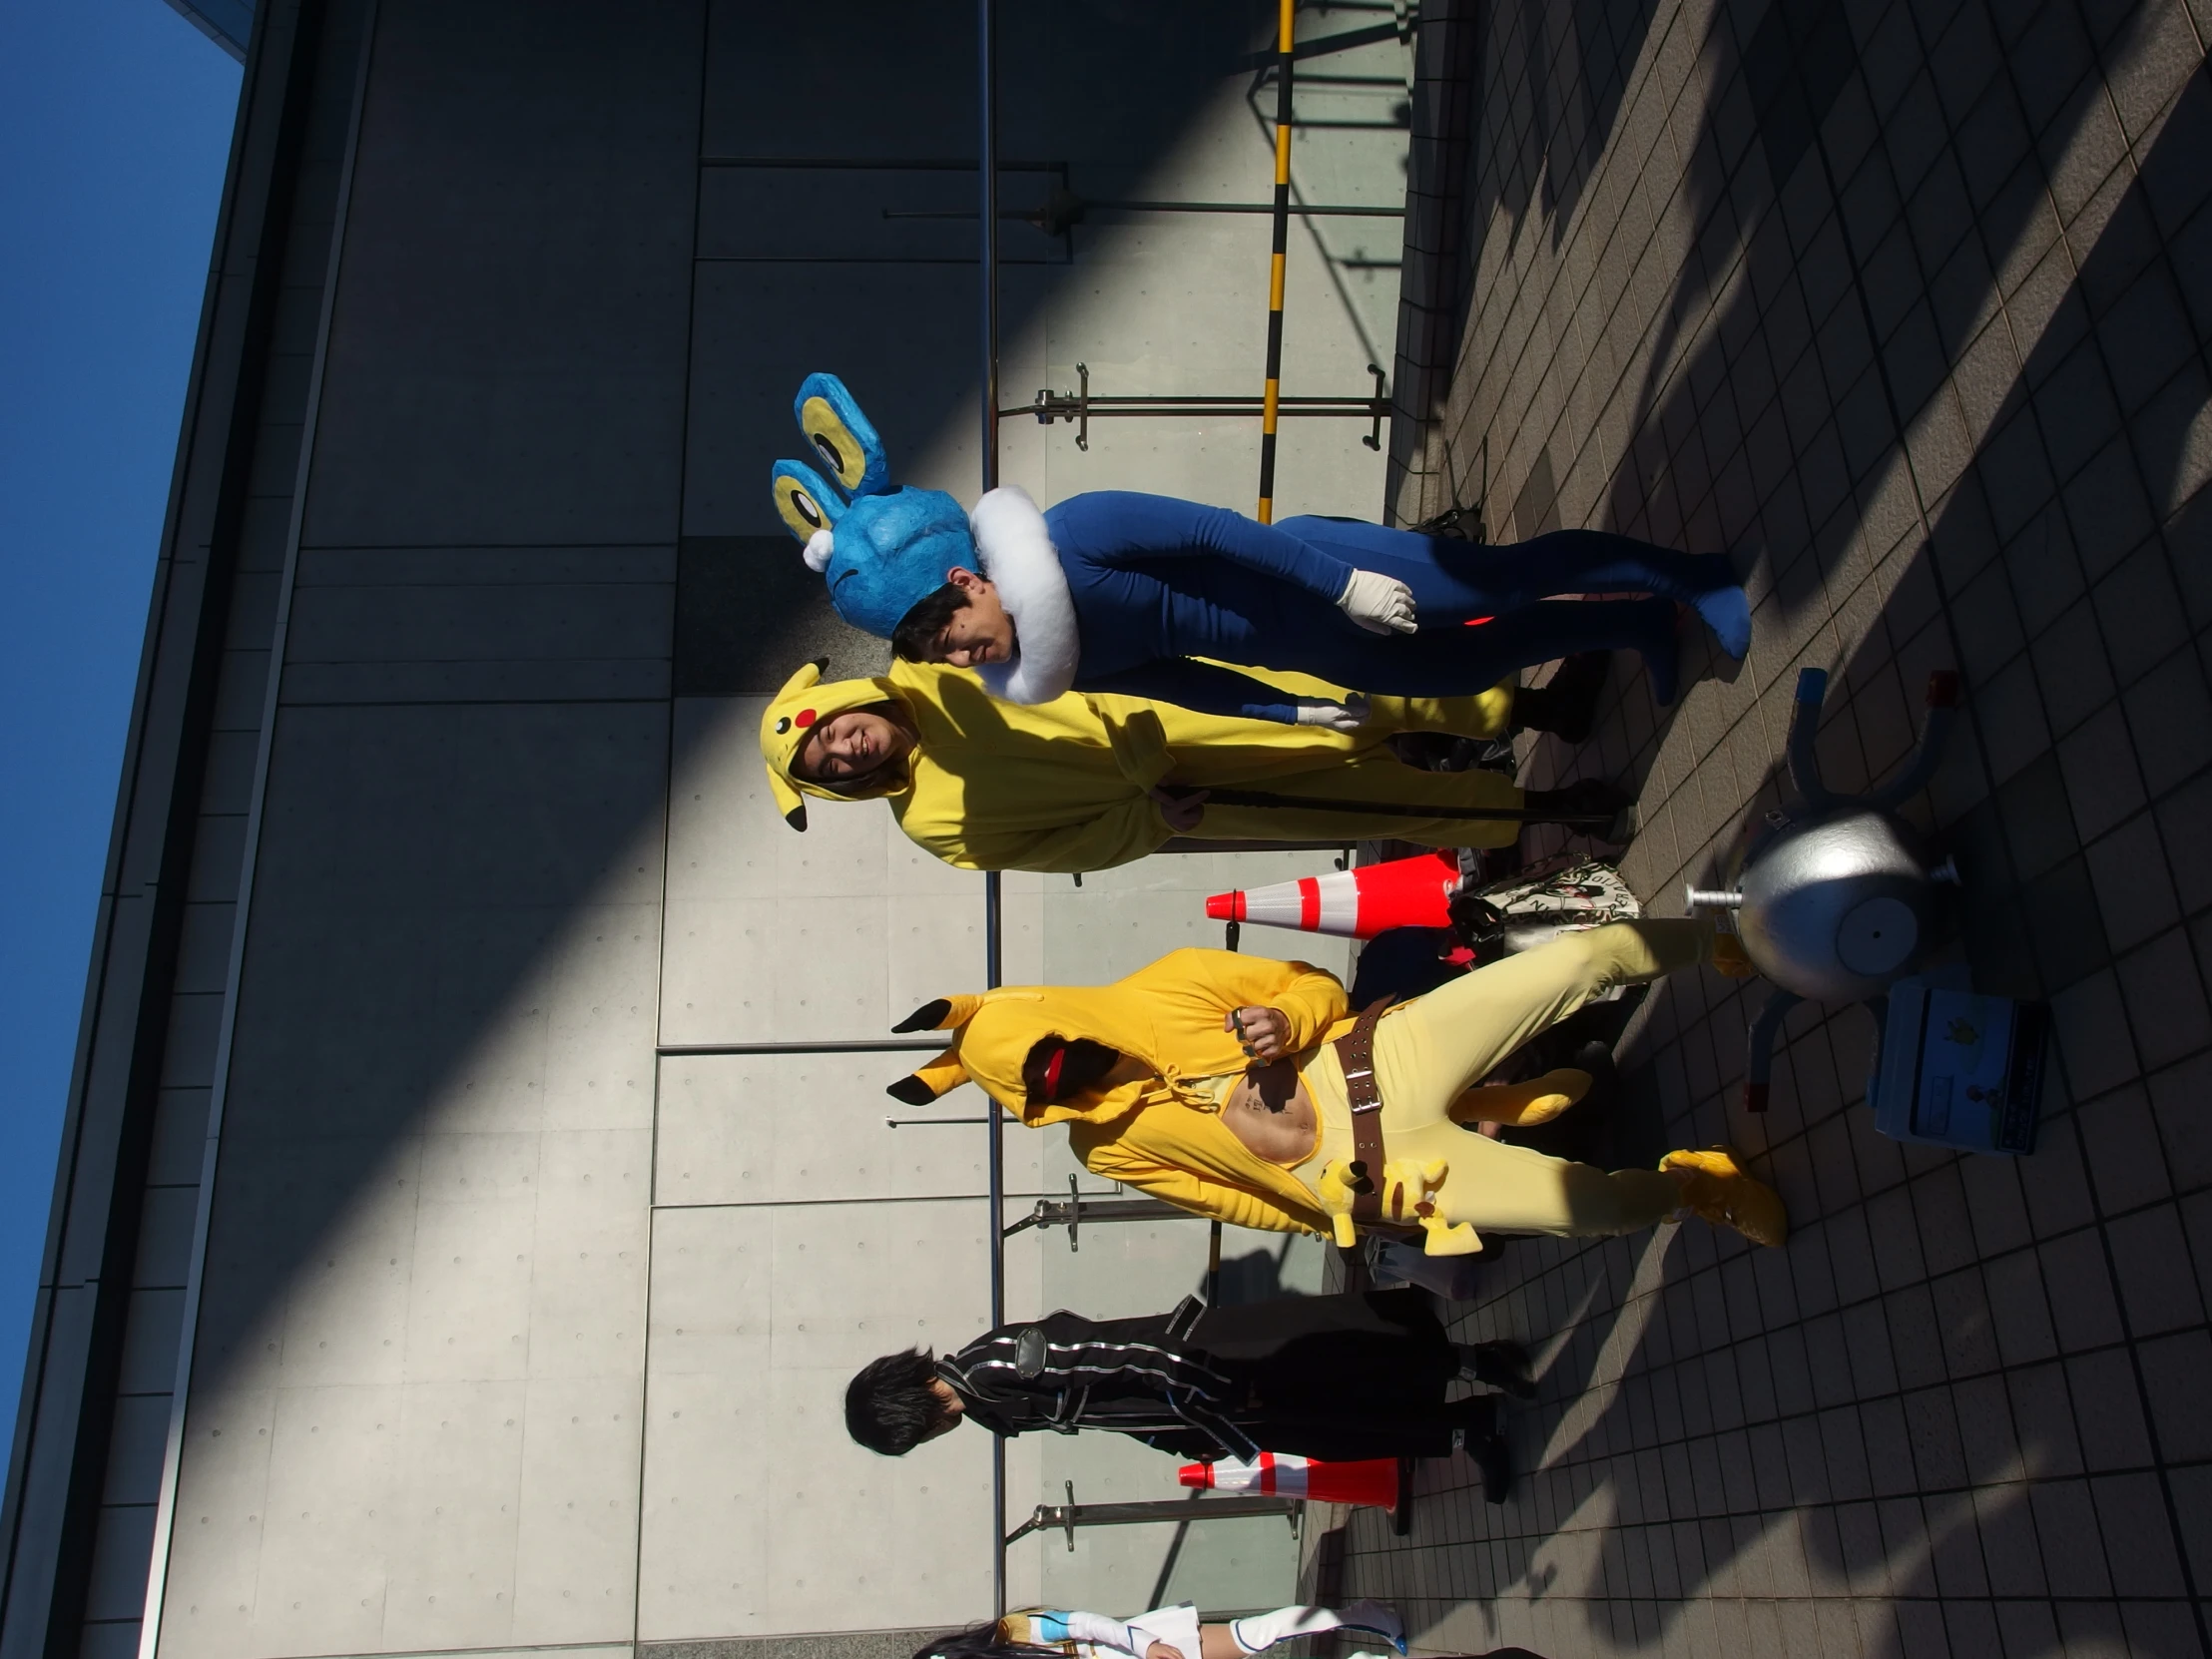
[1066,1517]
[1078,407]
[1075,1208]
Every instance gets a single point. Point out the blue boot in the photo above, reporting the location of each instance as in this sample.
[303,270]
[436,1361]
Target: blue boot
[1728,613]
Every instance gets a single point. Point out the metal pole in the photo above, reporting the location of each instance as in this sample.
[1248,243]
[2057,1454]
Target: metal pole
[1273,389]
[1066,1517]
[986,173]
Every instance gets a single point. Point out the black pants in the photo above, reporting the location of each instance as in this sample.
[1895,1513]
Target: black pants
[1359,1374]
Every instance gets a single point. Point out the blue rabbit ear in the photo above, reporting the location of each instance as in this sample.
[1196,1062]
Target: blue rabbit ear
[842,435]
[807,502]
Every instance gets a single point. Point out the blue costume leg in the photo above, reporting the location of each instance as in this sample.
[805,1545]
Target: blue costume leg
[1456,581]
[1444,660]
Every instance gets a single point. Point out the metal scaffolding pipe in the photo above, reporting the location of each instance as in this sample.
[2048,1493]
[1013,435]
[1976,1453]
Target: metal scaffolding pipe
[1272,392]
[986,218]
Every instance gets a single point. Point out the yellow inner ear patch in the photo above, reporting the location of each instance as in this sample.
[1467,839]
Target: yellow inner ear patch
[832,441]
[801,512]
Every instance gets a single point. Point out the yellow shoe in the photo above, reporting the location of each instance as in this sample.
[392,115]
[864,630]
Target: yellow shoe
[1720,1191]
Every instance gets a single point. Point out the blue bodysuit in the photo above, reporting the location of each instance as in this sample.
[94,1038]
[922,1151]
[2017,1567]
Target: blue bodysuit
[1157,581]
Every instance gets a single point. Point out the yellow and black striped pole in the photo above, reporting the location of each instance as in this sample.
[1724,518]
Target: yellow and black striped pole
[1273,396]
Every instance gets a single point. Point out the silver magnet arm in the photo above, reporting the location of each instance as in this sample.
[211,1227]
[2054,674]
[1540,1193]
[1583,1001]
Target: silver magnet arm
[1759,1056]
[1805,724]
[1943,709]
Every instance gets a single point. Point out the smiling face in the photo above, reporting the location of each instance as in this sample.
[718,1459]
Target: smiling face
[980,631]
[852,745]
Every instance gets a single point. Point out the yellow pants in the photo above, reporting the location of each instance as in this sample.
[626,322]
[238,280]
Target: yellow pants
[1343,794]
[1430,1052]
[1371,773]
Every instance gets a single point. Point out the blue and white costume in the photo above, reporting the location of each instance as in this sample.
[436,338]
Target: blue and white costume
[1095,1636]
[1155,582]
[1119,592]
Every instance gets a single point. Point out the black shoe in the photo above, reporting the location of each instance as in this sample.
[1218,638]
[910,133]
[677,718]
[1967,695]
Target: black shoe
[1501,1365]
[1599,1099]
[1495,1464]
[1595,806]
[1568,706]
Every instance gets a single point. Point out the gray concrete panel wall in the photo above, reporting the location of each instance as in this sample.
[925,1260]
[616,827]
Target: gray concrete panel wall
[518,296]
[88,1471]
[518,1308]
[415,1415]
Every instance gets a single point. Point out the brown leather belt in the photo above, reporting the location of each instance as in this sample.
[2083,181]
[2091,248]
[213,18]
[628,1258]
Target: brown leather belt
[1356,1055]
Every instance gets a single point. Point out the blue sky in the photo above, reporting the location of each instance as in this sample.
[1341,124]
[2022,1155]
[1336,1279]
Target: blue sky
[115,118]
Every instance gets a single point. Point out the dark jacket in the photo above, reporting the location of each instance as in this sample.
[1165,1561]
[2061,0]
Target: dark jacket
[1333,1377]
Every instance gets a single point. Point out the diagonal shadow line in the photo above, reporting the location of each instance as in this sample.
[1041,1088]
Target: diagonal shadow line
[2169,187]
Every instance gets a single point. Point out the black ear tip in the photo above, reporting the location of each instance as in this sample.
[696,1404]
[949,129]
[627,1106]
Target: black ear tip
[925,1017]
[796,818]
[911,1090]
[822,665]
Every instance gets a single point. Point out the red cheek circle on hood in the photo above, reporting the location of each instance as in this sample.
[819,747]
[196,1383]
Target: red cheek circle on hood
[803,719]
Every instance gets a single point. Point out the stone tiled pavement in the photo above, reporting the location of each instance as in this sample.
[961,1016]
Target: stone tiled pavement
[1908,305]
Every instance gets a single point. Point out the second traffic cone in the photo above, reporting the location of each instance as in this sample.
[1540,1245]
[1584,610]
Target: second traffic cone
[1371,1480]
[1352,903]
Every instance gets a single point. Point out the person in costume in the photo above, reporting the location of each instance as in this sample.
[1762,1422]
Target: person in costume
[1164,1633]
[1337,1377]
[1239,1088]
[1088,782]
[1145,596]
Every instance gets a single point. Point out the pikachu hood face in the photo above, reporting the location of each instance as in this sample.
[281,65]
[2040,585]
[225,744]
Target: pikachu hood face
[806,701]
[994,1032]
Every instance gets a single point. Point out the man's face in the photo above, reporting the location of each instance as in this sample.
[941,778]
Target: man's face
[852,745]
[954,1408]
[980,631]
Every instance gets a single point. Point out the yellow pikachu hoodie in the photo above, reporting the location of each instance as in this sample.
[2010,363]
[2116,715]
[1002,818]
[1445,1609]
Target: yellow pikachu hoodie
[1159,1134]
[1061,785]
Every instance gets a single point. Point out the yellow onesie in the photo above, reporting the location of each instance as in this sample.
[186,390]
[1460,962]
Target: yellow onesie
[1064,784]
[1164,1134]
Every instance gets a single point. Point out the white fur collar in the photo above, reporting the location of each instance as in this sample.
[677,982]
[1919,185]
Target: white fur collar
[1016,553]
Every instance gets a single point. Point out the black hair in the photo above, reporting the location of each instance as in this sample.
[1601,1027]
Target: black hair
[891,1408]
[1082,1064]
[982,1641]
[917,633]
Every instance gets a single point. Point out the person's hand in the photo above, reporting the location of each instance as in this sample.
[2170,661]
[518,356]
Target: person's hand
[1347,716]
[1163,1650]
[1183,811]
[1263,1033]
[1380,604]
[1729,957]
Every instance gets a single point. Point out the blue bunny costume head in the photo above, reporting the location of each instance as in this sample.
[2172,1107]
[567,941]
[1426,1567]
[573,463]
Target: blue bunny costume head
[883,548]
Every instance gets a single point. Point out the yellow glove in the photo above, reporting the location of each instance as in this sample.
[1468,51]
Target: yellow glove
[1729,957]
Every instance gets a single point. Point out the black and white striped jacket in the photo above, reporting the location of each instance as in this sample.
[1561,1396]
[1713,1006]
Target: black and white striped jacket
[1139,1377]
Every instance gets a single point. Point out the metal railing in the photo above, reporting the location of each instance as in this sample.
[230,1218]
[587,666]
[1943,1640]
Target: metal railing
[1077,408]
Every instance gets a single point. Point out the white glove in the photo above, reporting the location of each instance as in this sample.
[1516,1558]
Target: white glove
[1347,716]
[1378,603]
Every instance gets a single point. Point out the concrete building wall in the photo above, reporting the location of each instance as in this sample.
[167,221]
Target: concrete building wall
[447,1154]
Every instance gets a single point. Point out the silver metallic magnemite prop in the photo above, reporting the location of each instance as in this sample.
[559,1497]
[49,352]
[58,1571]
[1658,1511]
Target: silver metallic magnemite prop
[1839,899]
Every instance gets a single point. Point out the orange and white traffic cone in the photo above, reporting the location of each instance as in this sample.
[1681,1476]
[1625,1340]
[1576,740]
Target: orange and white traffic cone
[1373,1480]
[1352,903]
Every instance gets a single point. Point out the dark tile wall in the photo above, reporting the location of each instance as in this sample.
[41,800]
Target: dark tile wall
[1905,305]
